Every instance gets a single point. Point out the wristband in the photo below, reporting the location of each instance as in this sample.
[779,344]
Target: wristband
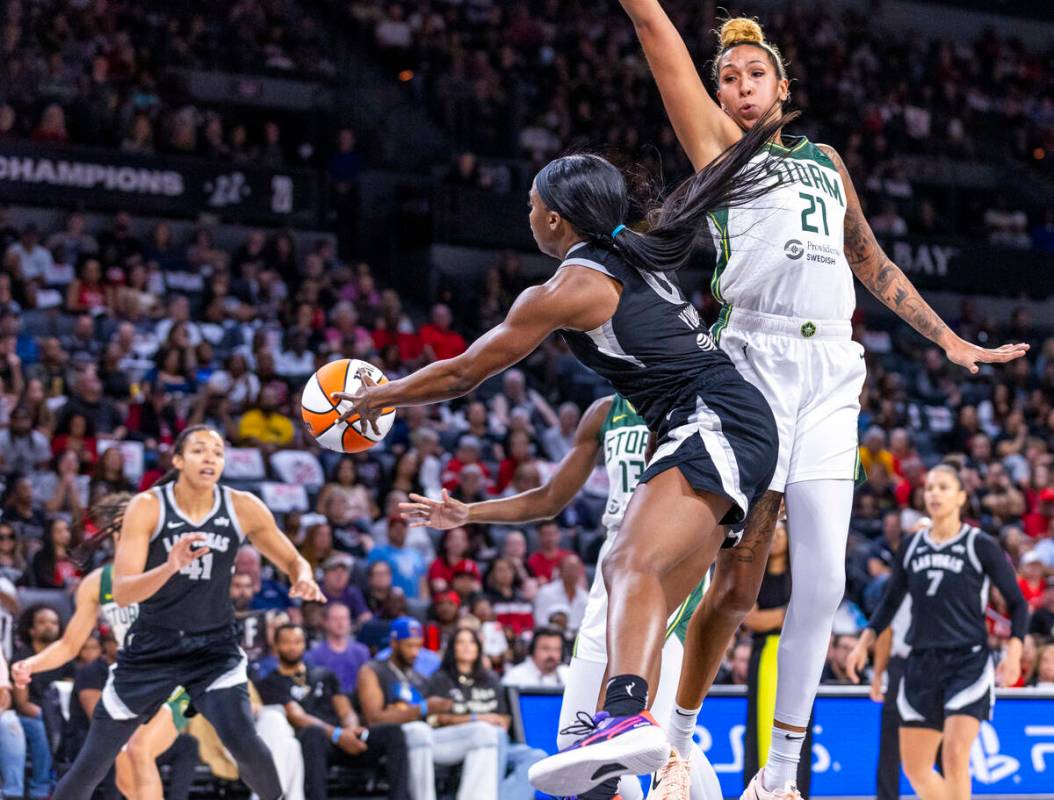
[423,705]
[335,736]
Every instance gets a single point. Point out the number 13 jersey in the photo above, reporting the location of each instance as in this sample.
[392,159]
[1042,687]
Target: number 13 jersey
[197,598]
[782,253]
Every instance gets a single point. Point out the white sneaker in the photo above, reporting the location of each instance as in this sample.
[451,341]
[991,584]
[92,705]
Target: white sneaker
[756,791]
[673,781]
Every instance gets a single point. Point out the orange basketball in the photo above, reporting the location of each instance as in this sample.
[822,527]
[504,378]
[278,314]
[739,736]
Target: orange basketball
[322,413]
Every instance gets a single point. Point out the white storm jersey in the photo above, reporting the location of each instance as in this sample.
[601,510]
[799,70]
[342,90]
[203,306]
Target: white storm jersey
[624,437]
[782,254]
[119,618]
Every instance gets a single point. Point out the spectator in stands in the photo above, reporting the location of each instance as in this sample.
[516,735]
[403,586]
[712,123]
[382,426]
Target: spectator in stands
[443,619]
[345,482]
[269,594]
[12,739]
[1045,668]
[12,560]
[518,452]
[834,671]
[478,695]
[557,439]
[252,623]
[516,395]
[265,426]
[409,571]
[337,585]
[469,452]
[873,452]
[544,666]
[438,340]
[453,551]
[1042,623]
[33,259]
[511,609]
[379,588]
[737,672]
[1037,522]
[544,561]
[22,449]
[327,727]
[338,652]
[1032,578]
[51,566]
[566,592]
[515,550]
[23,511]
[391,691]
[39,626]
[63,489]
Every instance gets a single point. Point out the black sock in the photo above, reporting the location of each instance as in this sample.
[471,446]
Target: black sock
[626,695]
[602,791]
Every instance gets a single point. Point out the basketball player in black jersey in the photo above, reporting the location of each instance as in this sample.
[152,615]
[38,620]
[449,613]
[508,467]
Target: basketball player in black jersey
[615,300]
[175,559]
[949,680]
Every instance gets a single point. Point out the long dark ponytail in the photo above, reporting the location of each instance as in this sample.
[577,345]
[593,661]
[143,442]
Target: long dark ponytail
[177,450]
[107,515]
[590,193]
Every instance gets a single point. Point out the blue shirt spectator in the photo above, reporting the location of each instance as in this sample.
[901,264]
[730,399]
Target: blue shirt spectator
[409,569]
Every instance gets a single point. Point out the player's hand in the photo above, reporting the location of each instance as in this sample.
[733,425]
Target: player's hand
[440,514]
[186,550]
[362,410]
[876,688]
[1008,673]
[969,355]
[307,589]
[350,742]
[21,674]
[856,662]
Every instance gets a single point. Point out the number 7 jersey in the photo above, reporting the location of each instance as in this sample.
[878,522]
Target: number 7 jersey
[197,598]
[782,253]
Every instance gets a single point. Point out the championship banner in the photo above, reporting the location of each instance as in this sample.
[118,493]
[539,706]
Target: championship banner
[35,174]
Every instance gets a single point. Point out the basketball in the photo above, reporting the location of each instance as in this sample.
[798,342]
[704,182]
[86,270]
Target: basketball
[322,414]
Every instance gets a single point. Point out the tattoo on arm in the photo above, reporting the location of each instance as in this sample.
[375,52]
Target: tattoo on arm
[884,279]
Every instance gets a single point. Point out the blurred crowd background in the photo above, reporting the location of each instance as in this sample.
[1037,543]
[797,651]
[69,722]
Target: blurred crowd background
[120,328]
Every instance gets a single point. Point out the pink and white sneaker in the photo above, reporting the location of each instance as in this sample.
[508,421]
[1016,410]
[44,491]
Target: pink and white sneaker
[614,746]
[756,790]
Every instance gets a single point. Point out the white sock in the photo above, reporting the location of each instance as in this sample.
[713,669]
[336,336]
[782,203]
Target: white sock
[681,728]
[784,755]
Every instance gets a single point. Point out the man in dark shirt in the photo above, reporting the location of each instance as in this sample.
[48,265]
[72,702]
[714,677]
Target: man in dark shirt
[40,626]
[1042,623]
[252,623]
[326,726]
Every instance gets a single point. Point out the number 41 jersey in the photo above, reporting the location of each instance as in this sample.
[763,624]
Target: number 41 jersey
[197,598]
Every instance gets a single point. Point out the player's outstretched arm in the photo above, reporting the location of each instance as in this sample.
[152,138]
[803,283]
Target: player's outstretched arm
[130,583]
[80,626]
[702,128]
[261,530]
[575,298]
[886,281]
[543,502]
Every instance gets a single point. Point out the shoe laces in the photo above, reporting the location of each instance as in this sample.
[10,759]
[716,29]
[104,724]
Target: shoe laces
[585,724]
[674,776]
[790,792]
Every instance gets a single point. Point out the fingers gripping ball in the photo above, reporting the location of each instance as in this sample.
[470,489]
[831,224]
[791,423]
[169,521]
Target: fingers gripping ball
[322,413]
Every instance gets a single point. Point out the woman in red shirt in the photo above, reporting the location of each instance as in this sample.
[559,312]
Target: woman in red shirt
[453,550]
[512,611]
[1031,578]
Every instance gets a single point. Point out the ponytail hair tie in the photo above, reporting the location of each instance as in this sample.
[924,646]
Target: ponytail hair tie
[618,230]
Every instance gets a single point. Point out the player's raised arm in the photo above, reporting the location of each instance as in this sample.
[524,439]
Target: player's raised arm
[543,502]
[130,583]
[575,298]
[886,281]
[261,530]
[702,128]
[81,624]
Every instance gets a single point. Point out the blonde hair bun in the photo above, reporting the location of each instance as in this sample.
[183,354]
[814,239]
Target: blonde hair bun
[740,29]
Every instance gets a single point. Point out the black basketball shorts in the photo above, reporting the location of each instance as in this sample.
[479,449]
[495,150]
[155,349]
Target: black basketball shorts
[723,438]
[155,661]
[938,684]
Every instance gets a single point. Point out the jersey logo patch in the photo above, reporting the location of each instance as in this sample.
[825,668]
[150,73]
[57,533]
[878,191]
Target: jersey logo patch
[620,416]
[808,330]
[221,522]
[176,524]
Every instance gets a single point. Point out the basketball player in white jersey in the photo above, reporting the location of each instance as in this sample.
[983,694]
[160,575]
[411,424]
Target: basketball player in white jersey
[785,278]
[610,427]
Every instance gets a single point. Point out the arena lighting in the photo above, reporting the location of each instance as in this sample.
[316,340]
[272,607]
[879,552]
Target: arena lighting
[406,75]
[1039,154]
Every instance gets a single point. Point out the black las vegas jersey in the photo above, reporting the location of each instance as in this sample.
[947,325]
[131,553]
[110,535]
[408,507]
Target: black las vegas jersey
[197,598]
[654,347]
[949,585]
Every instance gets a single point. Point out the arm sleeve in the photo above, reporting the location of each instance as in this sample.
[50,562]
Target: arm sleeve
[997,567]
[893,596]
